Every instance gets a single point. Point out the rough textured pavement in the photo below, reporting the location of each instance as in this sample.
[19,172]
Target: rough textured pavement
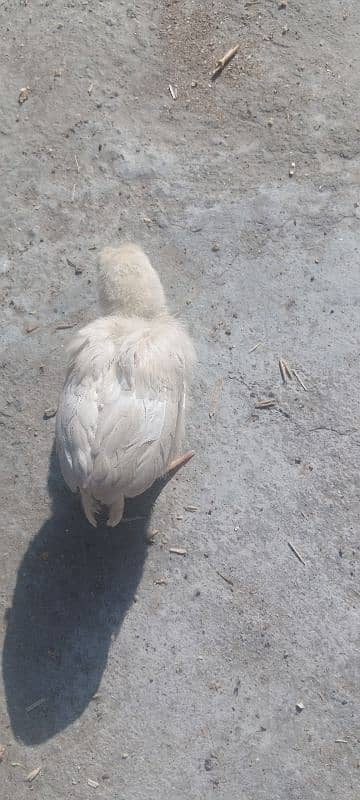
[152,675]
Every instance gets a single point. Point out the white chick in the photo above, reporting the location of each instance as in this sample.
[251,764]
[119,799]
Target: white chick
[120,419]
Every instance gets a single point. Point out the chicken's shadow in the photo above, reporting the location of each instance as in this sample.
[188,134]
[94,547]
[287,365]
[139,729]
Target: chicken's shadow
[74,587]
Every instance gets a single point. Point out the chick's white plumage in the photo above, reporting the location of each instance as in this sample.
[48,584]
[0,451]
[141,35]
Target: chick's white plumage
[120,417]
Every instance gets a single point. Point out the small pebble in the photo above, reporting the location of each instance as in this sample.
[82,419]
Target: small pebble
[49,413]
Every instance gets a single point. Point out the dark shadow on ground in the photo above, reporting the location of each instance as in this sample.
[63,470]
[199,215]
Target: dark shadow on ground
[74,587]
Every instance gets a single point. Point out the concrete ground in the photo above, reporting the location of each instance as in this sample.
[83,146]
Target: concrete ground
[130,673]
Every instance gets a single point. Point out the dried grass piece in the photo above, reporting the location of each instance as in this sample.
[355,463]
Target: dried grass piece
[179,551]
[296,553]
[66,326]
[282,370]
[2,752]
[292,169]
[258,344]
[173,91]
[224,61]
[265,403]
[93,784]
[287,369]
[41,700]
[161,582]
[152,534]
[299,380]
[192,509]
[225,578]
[33,774]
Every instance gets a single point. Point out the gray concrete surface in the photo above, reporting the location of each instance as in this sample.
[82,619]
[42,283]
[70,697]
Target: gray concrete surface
[186,688]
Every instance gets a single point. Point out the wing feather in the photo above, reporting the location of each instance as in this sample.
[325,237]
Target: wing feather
[117,427]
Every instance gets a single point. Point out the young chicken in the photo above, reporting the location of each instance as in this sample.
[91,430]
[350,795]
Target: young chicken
[120,419]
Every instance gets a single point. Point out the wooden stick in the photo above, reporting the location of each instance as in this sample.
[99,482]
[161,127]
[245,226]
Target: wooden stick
[224,61]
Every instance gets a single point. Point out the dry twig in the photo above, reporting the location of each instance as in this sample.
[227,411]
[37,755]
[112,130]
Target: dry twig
[224,61]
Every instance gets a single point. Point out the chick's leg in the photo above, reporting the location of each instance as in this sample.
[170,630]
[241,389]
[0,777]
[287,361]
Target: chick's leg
[179,462]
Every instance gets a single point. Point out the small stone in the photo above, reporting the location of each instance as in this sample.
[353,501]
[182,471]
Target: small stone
[299,707]
[24,94]
[49,413]
[215,247]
